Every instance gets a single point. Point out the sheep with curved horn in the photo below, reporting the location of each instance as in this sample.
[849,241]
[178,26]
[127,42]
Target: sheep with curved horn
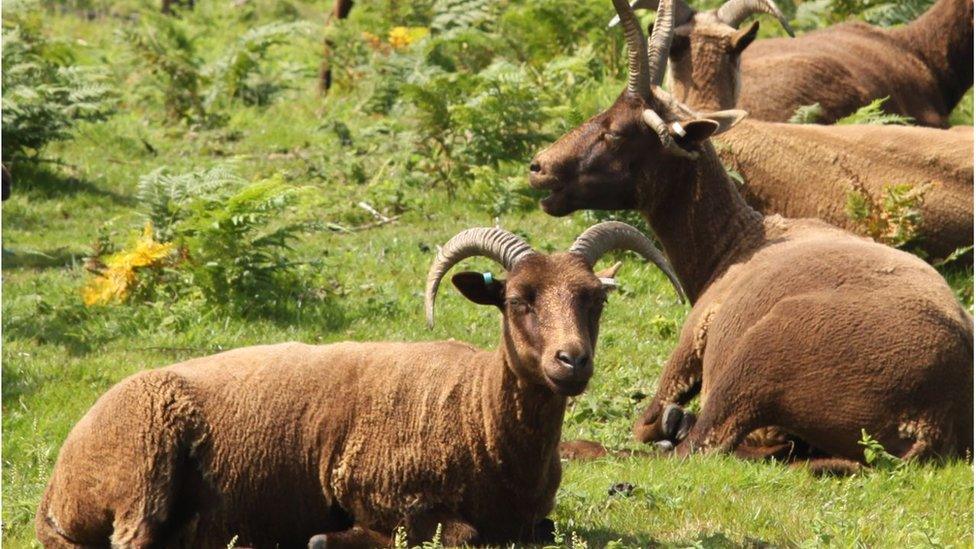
[924,68]
[787,313]
[338,445]
[816,167]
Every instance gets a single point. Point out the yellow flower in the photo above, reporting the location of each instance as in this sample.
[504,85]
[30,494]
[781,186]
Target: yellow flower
[146,253]
[114,283]
[401,37]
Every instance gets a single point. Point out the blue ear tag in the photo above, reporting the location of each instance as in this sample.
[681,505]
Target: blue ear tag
[488,278]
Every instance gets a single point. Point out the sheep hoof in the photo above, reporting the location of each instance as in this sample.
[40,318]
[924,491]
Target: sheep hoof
[671,419]
[664,446]
[687,422]
[544,532]
[320,541]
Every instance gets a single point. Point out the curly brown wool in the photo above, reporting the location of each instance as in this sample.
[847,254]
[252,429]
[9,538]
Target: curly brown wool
[807,170]
[276,444]
[796,325]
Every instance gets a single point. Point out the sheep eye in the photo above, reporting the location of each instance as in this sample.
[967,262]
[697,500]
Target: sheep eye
[518,304]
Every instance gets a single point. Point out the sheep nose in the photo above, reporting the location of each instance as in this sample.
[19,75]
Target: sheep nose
[572,362]
[535,167]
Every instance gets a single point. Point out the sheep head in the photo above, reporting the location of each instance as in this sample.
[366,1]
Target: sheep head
[643,138]
[707,47]
[550,304]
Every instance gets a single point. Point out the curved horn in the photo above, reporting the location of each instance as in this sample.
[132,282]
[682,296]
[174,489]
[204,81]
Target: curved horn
[494,243]
[637,74]
[734,12]
[682,12]
[660,42]
[614,235]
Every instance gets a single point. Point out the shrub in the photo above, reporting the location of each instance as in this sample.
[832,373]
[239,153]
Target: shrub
[807,114]
[474,120]
[167,197]
[164,46]
[195,92]
[503,190]
[873,113]
[502,119]
[880,12]
[44,93]
[239,256]
[120,274]
[209,235]
[242,74]
[891,218]
[885,13]
[875,454]
[542,30]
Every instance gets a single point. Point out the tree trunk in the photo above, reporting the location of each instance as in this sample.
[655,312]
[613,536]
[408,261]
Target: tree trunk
[340,10]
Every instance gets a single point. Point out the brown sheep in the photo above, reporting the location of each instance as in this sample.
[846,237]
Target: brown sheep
[815,167]
[924,68]
[277,443]
[796,325]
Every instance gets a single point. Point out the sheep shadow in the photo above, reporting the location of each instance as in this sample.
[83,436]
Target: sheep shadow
[42,180]
[61,257]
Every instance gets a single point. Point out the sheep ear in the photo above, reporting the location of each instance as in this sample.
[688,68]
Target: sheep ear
[481,288]
[608,276]
[726,120]
[743,37]
[707,125]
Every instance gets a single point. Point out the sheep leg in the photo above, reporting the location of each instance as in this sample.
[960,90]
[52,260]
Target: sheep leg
[118,477]
[543,533]
[729,415]
[837,467]
[680,382]
[356,537]
[455,531]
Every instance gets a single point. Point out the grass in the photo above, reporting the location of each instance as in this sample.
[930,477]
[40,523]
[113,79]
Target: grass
[58,356]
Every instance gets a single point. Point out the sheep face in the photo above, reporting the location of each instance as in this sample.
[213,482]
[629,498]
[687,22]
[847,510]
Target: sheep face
[551,308]
[601,164]
[595,166]
[704,56]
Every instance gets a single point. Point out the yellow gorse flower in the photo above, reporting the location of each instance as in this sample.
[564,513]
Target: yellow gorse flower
[401,37]
[115,282]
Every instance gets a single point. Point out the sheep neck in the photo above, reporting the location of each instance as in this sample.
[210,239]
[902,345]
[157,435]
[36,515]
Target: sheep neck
[700,218]
[943,38]
[523,420]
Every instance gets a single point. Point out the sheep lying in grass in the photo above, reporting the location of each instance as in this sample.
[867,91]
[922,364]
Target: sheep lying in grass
[278,443]
[796,326]
[815,168]
[924,67]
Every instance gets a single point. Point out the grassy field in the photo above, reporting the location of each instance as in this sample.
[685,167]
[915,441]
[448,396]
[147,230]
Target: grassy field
[533,70]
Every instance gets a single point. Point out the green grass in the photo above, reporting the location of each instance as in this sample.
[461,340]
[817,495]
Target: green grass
[58,357]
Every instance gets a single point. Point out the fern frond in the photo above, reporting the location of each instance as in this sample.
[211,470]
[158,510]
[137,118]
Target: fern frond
[873,113]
